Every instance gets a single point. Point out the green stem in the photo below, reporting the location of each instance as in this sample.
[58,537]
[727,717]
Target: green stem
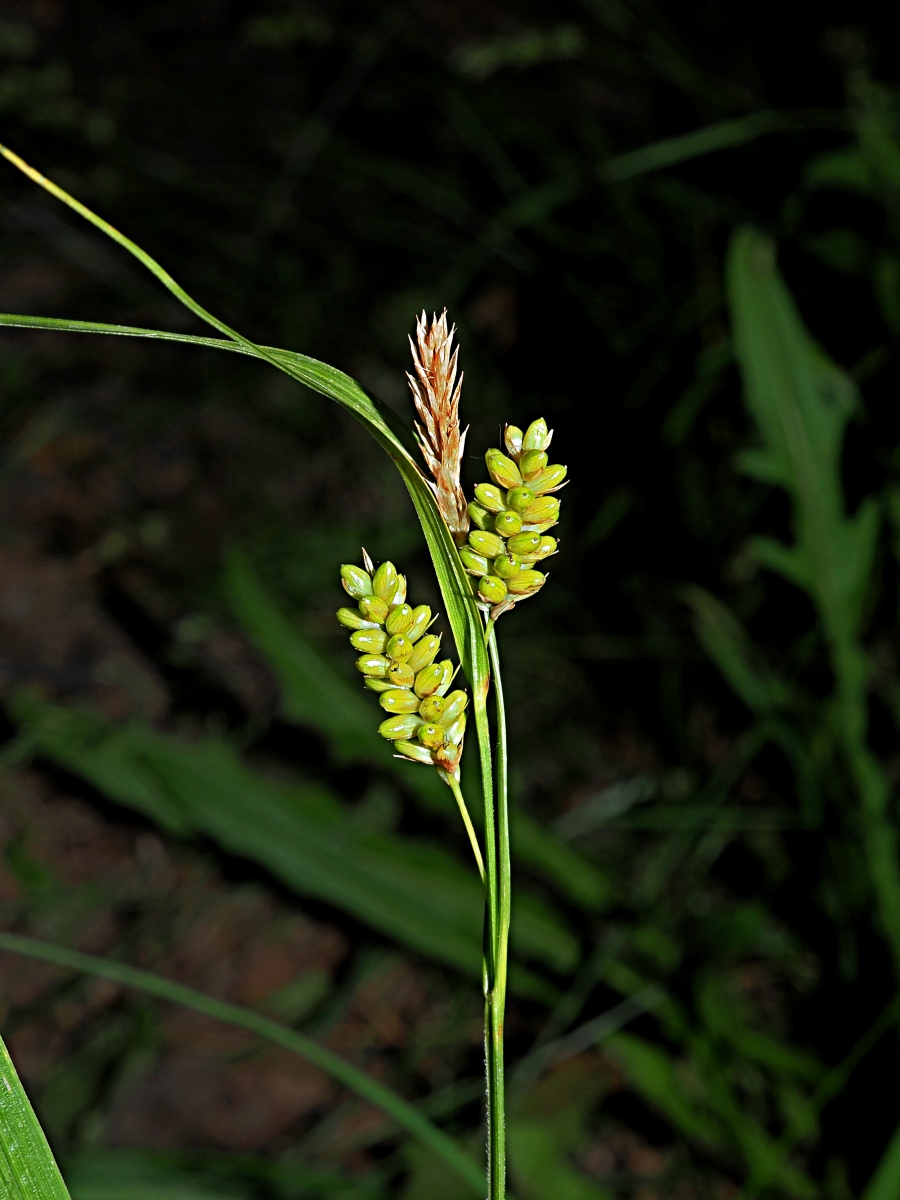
[364,1085]
[467,820]
[496,1002]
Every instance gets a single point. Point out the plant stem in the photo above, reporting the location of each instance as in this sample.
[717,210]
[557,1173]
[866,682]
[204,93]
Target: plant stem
[495,1008]
[467,820]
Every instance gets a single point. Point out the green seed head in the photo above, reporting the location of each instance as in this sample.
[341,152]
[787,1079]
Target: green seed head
[475,564]
[489,545]
[378,685]
[545,509]
[399,619]
[372,640]
[399,648]
[526,582]
[531,464]
[537,435]
[523,543]
[421,621]
[351,619]
[431,736]
[401,727]
[385,582]
[432,708]
[549,479]
[400,594]
[401,674]
[415,752]
[373,664]
[519,498]
[491,588]
[455,704]
[373,609]
[506,566]
[479,516]
[425,652]
[490,497]
[356,582]
[508,523]
[399,700]
[447,667]
[512,437]
[502,470]
[428,680]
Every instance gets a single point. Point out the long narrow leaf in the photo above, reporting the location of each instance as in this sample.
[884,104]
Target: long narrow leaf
[28,1170]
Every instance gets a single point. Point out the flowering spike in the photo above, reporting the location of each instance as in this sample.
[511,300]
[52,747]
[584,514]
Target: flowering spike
[436,392]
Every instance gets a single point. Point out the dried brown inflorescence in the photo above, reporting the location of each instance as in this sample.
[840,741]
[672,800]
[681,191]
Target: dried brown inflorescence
[436,391]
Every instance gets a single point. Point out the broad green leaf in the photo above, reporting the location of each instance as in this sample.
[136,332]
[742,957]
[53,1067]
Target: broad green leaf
[369,1088]
[28,1170]
[409,890]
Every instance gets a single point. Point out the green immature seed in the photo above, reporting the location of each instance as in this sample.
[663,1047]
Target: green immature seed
[489,545]
[475,564]
[372,640]
[480,517]
[399,619]
[508,523]
[431,736]
[428,680]
[400,727]
[545,549]
[378,685]
[531,464]
[401,674]
[447,667]
[512,437]
[506,566]
[537,435]
[490,497]
[351,619]
[355,581]
[502,470]
[400,594]
[421,620]
[526,582]
[432,708]
[549,479]
[374,609]
[519,498]
[491,588]
[425,652]
[544,509]
[399,648]
[453,732]
[373,664]
[399,700]
[413,750]
[523,543]
[455,704]
[385,582]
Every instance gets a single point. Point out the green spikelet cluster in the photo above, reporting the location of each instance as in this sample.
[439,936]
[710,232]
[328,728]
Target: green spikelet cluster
[425,720]
[510,518]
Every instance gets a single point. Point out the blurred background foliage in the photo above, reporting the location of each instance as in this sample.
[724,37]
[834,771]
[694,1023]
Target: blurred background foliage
[704,702]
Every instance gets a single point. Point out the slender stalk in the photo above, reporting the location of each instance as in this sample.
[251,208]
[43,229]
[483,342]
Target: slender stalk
[495,1009]
[467,821]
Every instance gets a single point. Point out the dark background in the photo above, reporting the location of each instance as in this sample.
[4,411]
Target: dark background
[317,174]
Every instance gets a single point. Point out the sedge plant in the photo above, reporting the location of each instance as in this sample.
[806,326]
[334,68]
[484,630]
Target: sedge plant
[485,553]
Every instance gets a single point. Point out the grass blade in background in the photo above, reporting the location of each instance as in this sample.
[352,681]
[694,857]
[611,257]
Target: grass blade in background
[364,1085]
[28,1170]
